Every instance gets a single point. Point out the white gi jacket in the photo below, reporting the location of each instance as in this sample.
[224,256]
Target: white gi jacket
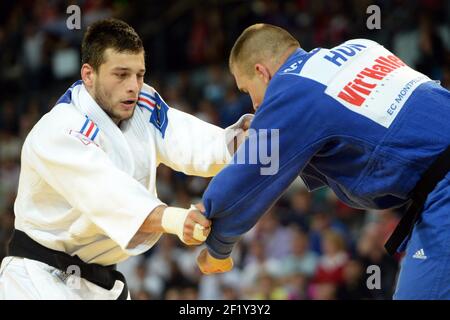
[86,186]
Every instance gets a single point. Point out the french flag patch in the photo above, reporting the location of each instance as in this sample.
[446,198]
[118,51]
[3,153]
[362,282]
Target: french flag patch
[89,129]
[146,101]
[158,109]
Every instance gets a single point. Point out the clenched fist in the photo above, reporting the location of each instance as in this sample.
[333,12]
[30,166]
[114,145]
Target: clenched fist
[190,225]
[209,265]
[196,228]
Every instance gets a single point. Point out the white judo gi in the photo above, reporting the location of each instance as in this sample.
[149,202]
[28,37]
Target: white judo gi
[86,186]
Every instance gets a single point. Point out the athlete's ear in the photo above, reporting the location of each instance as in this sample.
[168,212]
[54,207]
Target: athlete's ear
[263,73]
[87,75]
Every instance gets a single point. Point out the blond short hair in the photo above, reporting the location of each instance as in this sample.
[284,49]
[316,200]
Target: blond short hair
[260,42]
[335,238]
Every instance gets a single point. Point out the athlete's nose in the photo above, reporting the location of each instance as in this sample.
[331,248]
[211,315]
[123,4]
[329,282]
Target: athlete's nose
[133,85]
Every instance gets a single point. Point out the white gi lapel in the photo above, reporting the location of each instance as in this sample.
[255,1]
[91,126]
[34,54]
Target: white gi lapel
[137,134]
[116,145]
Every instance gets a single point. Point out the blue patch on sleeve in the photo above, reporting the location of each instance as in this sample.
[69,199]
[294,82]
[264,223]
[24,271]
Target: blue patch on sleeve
[159,115]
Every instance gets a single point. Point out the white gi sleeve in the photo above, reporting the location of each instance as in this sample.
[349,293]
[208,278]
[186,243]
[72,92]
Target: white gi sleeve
[85,176]
[191,145]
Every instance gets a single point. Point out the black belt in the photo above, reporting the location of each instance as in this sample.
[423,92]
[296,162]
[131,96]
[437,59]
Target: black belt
[435,173]
[21,245]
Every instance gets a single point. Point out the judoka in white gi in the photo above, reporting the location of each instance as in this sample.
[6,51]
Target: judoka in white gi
[87,182]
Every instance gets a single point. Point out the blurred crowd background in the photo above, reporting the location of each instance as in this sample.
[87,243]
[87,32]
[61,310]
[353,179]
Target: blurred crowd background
[310,245]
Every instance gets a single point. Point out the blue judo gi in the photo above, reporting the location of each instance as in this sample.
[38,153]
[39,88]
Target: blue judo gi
[357,119]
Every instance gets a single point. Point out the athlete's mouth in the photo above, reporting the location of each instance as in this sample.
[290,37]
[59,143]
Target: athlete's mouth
[129,102]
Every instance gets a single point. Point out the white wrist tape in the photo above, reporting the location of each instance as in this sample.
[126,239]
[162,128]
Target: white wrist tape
[173,220]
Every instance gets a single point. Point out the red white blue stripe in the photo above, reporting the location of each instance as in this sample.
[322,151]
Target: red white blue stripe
[146,101]
[89,129]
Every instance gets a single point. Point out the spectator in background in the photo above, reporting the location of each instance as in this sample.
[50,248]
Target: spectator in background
[300,209]
[177,281]
[206,40]
[302,260]
[9,117]
[296,285]
[215,88]
[268,288]
[186,262]
[174,98]
[330,268]
[322,221]
[142,281]
[323,291]
[161,259]
[229,293]
[258,263]
[6,227]
[206,112]
[276,238]
[431,48]
[233,106]
[354,285]
[370,250]
[164,184]
[222,286]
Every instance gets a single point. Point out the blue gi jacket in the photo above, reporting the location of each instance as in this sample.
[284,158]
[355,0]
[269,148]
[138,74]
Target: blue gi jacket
[354,118]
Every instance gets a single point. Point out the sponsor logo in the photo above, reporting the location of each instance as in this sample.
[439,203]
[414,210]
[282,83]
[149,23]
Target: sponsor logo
[420,254]
[356,91]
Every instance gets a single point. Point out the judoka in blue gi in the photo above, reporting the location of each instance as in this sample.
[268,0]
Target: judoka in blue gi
[354,118]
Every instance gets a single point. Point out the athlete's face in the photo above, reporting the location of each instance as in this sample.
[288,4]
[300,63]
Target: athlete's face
[255,85]
[116,84]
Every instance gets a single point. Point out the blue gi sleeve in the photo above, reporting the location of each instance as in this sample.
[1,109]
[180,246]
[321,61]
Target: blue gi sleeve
[242,192]
[312,178]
